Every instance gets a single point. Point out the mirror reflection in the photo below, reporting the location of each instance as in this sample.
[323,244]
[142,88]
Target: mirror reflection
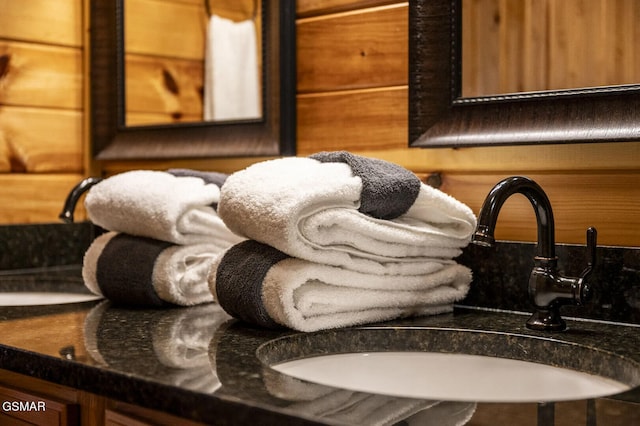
[192,60]
[511,46]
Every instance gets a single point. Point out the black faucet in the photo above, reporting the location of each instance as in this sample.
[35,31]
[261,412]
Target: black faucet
[548,290]
[72,199]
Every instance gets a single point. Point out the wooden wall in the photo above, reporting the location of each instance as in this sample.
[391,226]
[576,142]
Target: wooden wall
[42,144]
[507,44]
[352,94]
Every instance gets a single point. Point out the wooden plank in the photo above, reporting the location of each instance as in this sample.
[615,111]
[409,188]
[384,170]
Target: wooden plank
[40,75]
[36,198]
[150,118]
[161,28]
[164,85]
[42,21]
[575,43]
[306,8]
[43,140]
[535,66]
[512,39]
[583,158]
[236,10]
[352,120]
[5,154]
[222,165]
[353,50]
[32,384]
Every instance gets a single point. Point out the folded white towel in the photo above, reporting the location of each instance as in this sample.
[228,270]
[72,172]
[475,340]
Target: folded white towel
[232,77]
[312,210]
[261,285]
[160,205]
[141,271]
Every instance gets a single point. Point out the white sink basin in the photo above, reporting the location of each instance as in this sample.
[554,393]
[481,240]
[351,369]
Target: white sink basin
[35,298]
[442,376]
[453,364]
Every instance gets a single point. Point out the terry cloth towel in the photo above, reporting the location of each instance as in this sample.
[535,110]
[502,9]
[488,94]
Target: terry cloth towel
[140,271]
[340,209]
[232,75]
[177,206]
[171,345]
[261,285]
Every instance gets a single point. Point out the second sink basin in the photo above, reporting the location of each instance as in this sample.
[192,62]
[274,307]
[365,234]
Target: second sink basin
[451,364]
[44,287]
[449,377]
[41,298]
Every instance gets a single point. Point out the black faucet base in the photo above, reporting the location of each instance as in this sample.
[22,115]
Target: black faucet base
[546,320]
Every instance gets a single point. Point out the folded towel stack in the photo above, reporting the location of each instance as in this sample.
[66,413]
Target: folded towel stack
[337,239]
[165,235]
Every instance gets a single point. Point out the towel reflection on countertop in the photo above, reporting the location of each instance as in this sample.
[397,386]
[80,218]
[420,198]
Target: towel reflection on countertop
[170,345]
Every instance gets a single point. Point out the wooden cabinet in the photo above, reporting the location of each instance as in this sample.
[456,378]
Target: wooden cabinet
[22,407]
[28,401]
[113,418]
[121,414]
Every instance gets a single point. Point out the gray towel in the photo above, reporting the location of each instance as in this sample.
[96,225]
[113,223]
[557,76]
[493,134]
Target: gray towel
[140,271]
[388,190]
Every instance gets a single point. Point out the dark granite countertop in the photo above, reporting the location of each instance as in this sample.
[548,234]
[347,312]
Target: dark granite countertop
[200,364]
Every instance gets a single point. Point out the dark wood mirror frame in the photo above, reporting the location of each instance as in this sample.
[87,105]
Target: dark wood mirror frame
[440,117]
[274,134]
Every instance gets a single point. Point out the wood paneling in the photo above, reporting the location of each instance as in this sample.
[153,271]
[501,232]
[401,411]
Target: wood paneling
[352,120]
[319,7]
[608,201]
[42,140]
[530,45]
[166,86]
[42,21]
[42,146]
[36,197]
[40,75]
[167,28]
[353,50]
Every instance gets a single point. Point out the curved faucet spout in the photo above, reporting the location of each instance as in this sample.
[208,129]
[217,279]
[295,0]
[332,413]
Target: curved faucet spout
[548,289]
[72,199]
[488,216]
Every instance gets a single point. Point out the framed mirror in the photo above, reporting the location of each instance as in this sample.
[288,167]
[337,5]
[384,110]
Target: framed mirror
[440,116]
[271,132]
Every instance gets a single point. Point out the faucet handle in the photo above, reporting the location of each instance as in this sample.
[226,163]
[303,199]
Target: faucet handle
[592,244]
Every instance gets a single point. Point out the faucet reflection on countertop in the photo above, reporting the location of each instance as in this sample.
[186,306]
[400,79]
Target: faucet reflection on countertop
[548,289]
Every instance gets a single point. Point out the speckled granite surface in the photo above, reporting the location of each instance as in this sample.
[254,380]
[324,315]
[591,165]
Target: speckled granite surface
[200,364]
[501,276]
[44,245]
